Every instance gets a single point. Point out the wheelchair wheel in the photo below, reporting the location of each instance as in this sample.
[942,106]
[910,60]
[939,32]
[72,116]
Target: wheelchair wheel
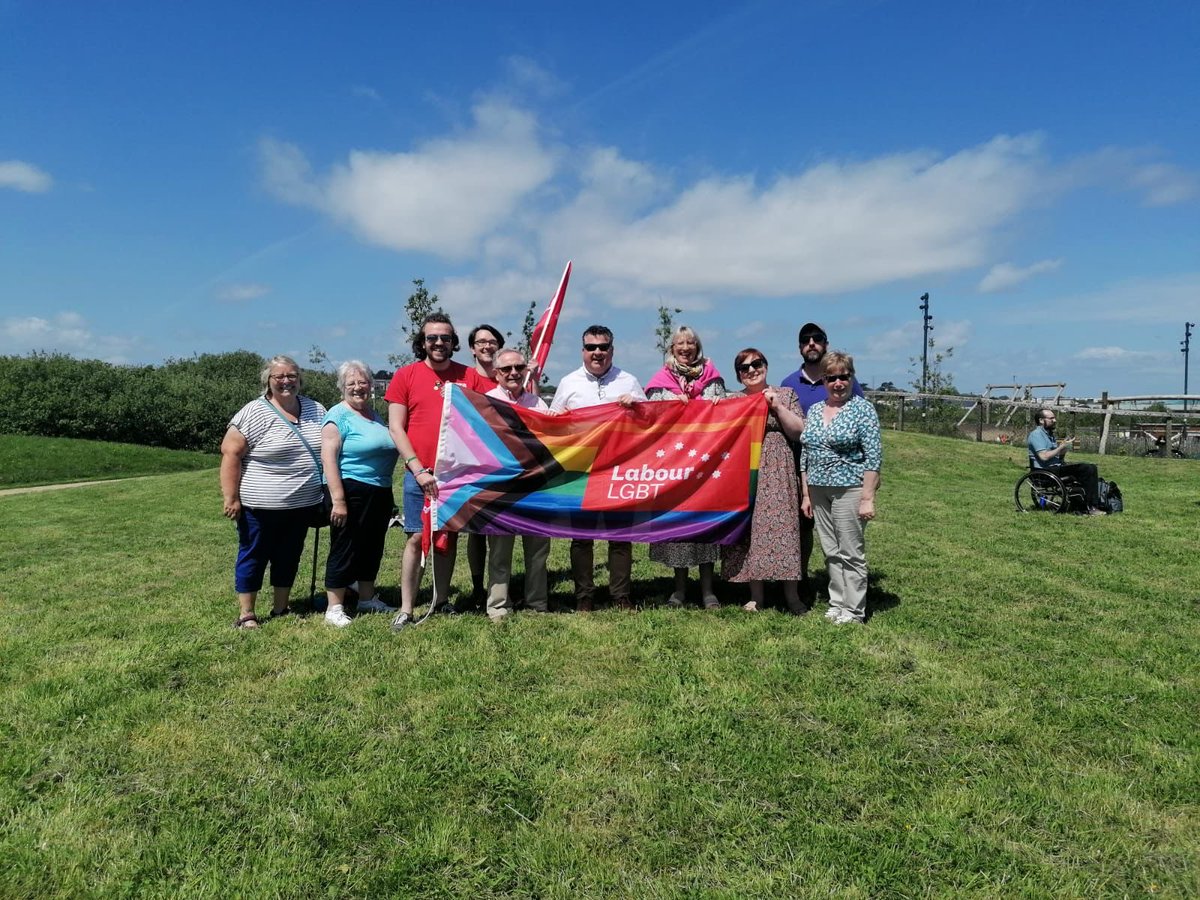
[1040,491]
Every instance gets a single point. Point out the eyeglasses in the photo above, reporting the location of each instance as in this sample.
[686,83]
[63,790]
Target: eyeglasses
[604,348]
[756,364]
[814,338]
[439,339]
[285,377]
[840,376]
[513,368]
[487,343]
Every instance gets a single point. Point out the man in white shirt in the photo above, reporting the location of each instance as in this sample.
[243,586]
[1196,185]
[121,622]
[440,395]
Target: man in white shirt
[509,368]
[598,381]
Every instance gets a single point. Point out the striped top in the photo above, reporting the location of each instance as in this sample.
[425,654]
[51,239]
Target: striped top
[278,472]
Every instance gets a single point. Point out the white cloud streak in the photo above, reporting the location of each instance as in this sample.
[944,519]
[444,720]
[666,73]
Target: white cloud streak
[22,176]
[442,198]
[1003,276]
[242,293]
[66,332]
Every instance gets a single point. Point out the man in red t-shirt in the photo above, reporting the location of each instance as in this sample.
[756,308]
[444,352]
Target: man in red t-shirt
[414,419]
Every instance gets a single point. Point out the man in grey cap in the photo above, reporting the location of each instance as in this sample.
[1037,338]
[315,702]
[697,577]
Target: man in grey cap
[809,385]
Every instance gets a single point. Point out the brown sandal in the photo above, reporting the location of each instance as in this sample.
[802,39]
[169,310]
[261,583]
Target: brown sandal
[249,620]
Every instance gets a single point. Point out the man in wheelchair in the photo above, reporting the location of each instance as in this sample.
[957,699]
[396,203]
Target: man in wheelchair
[1047,453]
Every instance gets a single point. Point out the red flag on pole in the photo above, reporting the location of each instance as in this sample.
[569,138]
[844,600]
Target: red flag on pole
[543,333]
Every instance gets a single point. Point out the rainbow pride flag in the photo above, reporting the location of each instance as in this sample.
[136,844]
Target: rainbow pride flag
[662,471]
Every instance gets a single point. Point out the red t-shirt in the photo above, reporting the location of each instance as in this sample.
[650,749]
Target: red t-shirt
[419,388]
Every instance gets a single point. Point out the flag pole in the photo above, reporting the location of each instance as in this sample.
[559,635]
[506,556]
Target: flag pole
[543,332]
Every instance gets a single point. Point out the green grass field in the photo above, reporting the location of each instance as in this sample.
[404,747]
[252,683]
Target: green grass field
[27,461]
[1019,718]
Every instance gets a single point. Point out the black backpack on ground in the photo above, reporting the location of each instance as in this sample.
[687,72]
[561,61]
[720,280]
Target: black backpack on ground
[1110,497]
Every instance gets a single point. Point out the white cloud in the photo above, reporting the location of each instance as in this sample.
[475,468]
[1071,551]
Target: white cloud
[1160,183]
[66,332]
[834,227]
[904,342]
[1003,276]
[1165,184]
[443,198]
[242,293]
[22,176]
[1146,301]
[1115,354]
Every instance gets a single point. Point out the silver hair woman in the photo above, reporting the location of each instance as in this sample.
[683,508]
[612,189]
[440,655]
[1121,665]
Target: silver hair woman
[358,457]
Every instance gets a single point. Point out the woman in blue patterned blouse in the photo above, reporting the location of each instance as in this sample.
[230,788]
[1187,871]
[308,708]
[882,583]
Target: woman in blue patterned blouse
[839,475]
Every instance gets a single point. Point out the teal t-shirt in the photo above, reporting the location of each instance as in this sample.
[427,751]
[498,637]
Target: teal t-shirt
[368,453]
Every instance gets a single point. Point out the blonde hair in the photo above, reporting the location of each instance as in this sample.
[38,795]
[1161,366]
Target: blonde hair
[265,375]
[683,331]
[836,359]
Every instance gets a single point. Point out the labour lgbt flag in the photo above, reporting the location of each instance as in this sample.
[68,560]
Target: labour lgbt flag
[662,471]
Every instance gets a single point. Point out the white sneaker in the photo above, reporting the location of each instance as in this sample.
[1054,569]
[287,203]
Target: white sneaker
[336,616]
[832,613]
[846,618]
[375,605]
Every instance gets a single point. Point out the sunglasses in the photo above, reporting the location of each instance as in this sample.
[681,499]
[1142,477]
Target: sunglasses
[513,368]
[756,364]
[841,376]
[814,338]
[605,347]
[439,339]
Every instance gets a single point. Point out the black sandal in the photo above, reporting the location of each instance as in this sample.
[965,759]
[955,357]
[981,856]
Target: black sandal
[249,620]
[286,611]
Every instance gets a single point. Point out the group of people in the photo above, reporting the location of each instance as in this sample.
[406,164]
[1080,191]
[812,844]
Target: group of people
[287,462]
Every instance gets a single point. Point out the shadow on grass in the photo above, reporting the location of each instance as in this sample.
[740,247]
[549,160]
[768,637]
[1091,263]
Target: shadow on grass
[879,599]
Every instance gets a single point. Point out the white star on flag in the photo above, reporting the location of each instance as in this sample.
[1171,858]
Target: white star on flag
[724,456]
[691,453]
[679,445]
[717,473]
[705,458]
[661,453]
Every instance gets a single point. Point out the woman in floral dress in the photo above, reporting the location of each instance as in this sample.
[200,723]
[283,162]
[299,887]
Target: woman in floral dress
[771,549]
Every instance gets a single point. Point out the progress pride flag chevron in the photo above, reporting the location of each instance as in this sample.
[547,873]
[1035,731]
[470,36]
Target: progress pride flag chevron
[657,472]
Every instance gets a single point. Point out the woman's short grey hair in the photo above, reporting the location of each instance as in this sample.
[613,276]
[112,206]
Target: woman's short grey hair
[684,332]
[265,375]
[352,365]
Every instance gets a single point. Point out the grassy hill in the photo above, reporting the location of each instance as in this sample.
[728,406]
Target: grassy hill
[1018,718]
[26,461]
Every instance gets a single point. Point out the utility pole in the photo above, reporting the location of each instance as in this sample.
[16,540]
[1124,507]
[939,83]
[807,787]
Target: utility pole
[926,319]
[1186,344]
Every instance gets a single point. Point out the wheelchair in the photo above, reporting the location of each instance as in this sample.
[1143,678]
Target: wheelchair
[1042,490]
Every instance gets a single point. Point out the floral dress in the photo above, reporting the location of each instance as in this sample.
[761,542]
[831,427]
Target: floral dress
[770,551]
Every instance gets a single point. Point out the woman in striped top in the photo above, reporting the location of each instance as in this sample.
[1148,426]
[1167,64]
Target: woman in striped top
[270,481]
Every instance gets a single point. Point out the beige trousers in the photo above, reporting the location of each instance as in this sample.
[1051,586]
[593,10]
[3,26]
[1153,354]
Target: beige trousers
[835,510]
[499,573]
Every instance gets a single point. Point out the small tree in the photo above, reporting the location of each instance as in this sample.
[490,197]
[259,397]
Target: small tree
[420,303]
[317,357]
[666,327]
[939,381]
[527,326]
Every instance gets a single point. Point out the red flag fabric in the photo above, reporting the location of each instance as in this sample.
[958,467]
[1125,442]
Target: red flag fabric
[543,332]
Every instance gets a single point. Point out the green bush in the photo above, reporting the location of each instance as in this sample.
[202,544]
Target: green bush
[184,404]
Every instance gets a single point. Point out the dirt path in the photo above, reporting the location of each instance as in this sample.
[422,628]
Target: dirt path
[12,492]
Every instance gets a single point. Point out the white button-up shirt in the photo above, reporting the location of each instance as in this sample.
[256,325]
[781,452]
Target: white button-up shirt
[581,389]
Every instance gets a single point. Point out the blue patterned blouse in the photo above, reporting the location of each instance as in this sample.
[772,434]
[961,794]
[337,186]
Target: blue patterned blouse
[837,454]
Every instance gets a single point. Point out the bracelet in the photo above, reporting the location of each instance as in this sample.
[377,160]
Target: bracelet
[426,471]
[410,459]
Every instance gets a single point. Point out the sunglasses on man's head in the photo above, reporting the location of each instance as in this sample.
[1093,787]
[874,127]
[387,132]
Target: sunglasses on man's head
[439,339]
[592,348]
[743,368]
[515,367]
[840,376]
[816,337]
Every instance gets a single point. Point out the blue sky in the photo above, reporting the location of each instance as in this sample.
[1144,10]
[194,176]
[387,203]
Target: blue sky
[188,178]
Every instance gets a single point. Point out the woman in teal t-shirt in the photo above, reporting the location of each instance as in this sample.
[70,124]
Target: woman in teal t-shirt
[358,456]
